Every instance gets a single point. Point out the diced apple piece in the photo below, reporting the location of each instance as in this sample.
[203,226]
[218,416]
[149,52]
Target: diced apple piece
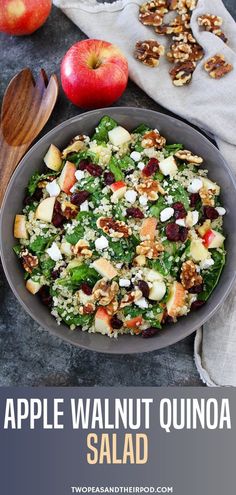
[119,189]
[20,231]
[102,321]
[45,209]
[208,184]
[176,300]
[157,291]
[198,251]
[168,166]
[152,275]
[204,227]
[33,286]
[213,239]
[134,322]
[53,158]
[105,268]
[148,228]
[119,135]
[66,249]
[67,178]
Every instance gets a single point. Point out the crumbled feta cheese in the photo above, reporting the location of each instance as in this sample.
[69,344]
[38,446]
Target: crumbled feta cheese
[141,165]
[101,243]
[221,210]
[205,264]
[142,303]
[166,214]
[195,217]
[180,222]
[143,200]
[195,186]
[124,282]
[131,196]
[79,174]
[169,200]
[53,188]
[54,252]
[84,206]
[135,155]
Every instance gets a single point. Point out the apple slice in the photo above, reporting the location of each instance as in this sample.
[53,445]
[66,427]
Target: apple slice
[67,178]
[119,135]
[157,291]
[168,166]
[45,209]
[208,184]
[33,286]
[213,239]
[53,158]
[204,227]
[119,189]
[148,228]
[102,321]
[20,231]
[152,275]
[198,251]
[134,322]
[176,299]
[105,268]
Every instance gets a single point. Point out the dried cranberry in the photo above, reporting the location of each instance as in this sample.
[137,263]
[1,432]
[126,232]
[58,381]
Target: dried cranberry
[183,234]
[27,200]
[151,167]
[57,219]
[134,212]
[83,164]
[143,286]
[79,328]
[44,294]
[116,322]
[180,211]
[78,198]
[149,332]
[194,198]
[197,304]
[172,232]
[196,289]
[169,320]
[210,212]
[38,194]
[109,178]
[94,170]
[55,274]
[86,288]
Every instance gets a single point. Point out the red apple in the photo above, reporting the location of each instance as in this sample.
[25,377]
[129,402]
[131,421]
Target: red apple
[213,239]
[67,178]
[94,73]
[19,17]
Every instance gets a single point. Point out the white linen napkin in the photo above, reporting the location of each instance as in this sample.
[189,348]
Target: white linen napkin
[205,102]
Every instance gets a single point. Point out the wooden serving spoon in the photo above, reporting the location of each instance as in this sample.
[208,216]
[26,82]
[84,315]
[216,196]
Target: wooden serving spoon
[27,106]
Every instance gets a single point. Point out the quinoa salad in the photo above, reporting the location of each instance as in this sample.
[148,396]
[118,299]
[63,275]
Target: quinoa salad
[121,232]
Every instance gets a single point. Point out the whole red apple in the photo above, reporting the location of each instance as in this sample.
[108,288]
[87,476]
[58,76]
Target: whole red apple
[19,17]
[94,73]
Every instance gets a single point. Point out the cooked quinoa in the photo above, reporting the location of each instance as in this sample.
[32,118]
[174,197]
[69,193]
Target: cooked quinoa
[121,232]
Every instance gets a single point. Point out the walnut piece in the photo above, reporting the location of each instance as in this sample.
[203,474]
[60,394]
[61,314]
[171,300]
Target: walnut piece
[112,307]
[152,139]
[148,52]
[189,276]
[207,197]
[69,210]
[186,5]
[29,261]
[113,228]
[181,51]
[105,291]
[212,23]
[185,37]
[150,249]
[179,24]
[150,188]
[130,297]
[87,309]
[152,13]
[82,249]
[217,66]
[188,156]
[182,72]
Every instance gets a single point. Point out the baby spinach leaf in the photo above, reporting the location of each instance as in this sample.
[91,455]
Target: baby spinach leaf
[17,249]
[47,267]
[41,243]
[170,149]
[212,275]
[156,209]
[126,163]
[36,177]
[141,129]
[105,125]
[178,193]
[79,274]
[76,158]
[115,168]
[77,320]
[163,264]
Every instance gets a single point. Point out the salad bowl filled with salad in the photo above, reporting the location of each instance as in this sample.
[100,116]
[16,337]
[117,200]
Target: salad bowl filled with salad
[121,230]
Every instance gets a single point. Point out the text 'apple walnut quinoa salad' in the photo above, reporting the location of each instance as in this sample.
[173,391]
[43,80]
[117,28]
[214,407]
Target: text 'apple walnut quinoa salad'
[121,233]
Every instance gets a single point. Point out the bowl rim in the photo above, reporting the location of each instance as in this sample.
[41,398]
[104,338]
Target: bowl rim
[172,340]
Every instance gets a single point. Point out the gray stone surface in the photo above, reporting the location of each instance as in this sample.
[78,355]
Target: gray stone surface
[28,354]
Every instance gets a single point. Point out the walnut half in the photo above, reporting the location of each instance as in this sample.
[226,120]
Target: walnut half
[182,72]
[189,276]
[148,52]
[188,156]
[217,66]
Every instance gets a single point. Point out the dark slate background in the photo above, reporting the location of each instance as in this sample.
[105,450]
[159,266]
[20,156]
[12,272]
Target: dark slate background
[28,354]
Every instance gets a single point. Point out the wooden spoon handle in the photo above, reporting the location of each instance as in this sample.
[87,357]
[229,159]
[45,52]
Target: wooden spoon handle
[9,159]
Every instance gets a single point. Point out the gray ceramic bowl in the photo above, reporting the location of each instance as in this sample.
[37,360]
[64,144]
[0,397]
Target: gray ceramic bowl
[176,132]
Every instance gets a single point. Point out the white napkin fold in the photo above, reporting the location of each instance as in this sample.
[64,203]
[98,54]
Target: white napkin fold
[205,102]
